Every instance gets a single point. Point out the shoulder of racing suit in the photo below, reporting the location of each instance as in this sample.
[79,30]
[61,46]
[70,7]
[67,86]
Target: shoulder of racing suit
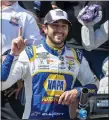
[32,52]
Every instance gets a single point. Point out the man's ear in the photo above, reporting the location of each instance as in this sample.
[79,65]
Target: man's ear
[44,27]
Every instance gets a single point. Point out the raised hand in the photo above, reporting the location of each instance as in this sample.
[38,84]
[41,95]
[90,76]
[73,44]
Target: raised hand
[89,22]
[18,44]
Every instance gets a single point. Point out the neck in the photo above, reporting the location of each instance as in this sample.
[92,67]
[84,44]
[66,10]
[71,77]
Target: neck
[51,44]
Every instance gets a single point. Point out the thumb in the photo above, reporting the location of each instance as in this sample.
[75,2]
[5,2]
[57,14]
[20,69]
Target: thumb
[25,41]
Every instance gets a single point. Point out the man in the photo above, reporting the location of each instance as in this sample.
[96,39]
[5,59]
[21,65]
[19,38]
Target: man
[14,17]
[94,34]
[49,71]
[11,98]
[93,39]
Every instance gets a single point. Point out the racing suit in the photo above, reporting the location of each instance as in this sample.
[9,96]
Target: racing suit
[48,72]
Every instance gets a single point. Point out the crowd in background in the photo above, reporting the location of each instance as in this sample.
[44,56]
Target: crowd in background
[31,28]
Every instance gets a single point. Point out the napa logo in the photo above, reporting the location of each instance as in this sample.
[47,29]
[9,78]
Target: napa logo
[55,85]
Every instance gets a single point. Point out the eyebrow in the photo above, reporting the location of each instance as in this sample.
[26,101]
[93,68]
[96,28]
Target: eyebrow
[63,21]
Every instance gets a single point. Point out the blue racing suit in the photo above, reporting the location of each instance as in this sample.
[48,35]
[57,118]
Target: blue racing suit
[48,72]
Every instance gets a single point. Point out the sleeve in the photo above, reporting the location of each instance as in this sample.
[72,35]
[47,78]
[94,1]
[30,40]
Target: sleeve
[104,86]
[104,82]
[18,70]
[105,66]
[87,78]
[31,31]
[6,66]
[93,39]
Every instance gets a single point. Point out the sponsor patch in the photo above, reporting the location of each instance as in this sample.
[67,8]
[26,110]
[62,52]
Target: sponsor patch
[59,13]
[55,85]
[50,99]
[14,21]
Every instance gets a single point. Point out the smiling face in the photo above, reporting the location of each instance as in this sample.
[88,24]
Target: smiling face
[57,32]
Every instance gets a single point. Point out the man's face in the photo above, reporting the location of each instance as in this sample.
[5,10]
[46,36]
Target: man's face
[8,3]
[57,32]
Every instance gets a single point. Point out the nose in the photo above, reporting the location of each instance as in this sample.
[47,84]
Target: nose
[60,29]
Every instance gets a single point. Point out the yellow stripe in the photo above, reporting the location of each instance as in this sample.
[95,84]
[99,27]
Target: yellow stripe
[34,54]
[53,47]
[74,53]
[52,71]
[75,56]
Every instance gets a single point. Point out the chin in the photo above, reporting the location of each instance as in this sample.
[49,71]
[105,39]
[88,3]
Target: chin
[59,41]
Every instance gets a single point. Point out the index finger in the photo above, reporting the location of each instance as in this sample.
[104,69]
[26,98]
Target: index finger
[61,98]
[20,32]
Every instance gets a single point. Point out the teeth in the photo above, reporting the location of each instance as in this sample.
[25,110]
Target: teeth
[59,35]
